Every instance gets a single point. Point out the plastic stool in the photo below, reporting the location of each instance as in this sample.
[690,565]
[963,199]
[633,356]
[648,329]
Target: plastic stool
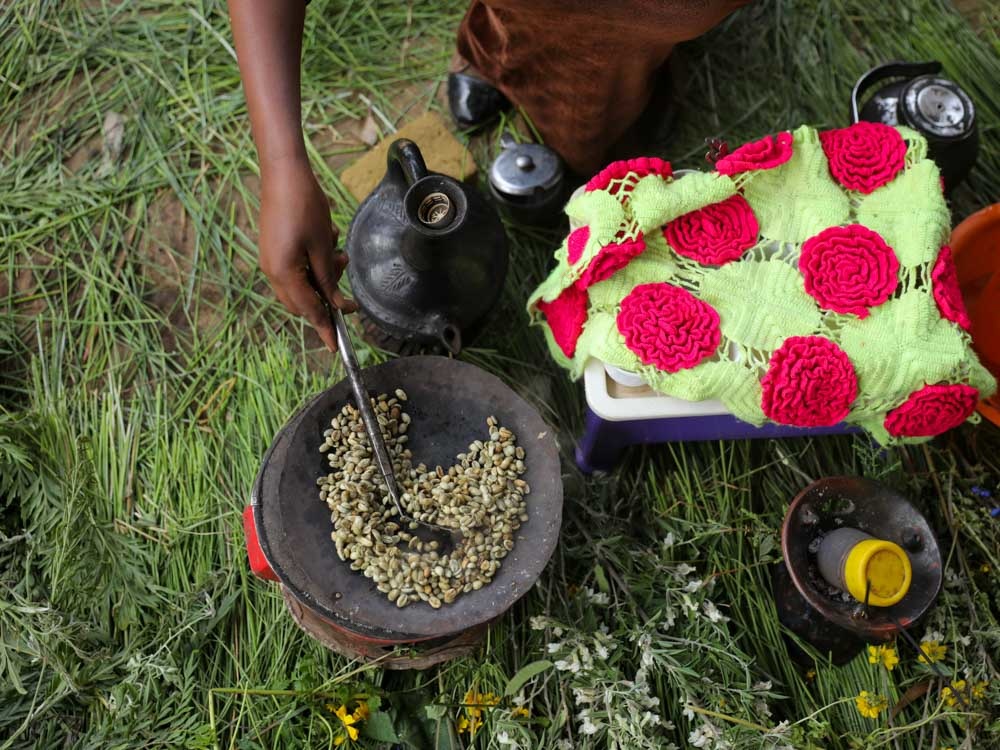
[619,416]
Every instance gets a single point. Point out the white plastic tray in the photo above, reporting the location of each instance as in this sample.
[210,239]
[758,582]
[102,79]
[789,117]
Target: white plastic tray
[617,403]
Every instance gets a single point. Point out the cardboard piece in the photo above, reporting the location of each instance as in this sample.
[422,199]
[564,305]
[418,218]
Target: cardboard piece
[442,152]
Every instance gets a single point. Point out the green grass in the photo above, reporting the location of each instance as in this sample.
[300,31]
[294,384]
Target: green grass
[144,368]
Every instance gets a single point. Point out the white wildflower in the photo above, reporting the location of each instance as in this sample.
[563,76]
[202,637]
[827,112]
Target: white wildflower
[932,635]
[538,623]
[688,713]
[685,570]
[704,736]
[564,745]
[781,729]
[596,597]
[573,665]
[518,700]
[689,604]
[668,540]
[762,708]
[602,651]
[669,617]
[762,685]
[713,613]
[650,718]
[964,640]
[553,647]
[693,586]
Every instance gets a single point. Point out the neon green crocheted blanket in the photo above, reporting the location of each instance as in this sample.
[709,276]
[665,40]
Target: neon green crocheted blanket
[806,281]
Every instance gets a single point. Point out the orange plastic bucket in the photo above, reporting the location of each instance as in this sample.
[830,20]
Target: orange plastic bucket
[975,245]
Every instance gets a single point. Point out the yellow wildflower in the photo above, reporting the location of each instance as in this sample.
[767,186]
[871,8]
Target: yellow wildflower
[984,568]
[871,704]
[932,652]
[952,693]
[520,711]
[886,655]
[811,675]
[469,725]
[361,712]
[348,720]
[474,703]
[979,690]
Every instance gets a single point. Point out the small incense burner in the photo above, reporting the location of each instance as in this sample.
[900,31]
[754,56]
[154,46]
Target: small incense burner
[860,564]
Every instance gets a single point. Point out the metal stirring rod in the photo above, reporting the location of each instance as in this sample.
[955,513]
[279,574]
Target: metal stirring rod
[350,361]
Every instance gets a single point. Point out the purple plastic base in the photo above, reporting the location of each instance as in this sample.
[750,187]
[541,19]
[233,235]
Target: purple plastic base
[603,441]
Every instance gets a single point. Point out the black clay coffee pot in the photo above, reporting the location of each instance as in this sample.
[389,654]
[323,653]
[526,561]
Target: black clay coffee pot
[913,94]
[428,255]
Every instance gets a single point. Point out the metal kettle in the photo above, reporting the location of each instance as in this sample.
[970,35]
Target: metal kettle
[428,254]
[527,181]
[937,108]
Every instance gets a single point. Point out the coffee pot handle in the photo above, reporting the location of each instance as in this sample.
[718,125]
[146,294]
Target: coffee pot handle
[405,161]
[897,68]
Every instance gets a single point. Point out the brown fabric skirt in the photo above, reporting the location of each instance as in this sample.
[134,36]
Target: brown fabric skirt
[582,70]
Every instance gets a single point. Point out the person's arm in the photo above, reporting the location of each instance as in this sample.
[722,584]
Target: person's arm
[297,239]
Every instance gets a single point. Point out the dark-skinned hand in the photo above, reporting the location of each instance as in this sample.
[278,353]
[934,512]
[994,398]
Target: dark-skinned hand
[298,245]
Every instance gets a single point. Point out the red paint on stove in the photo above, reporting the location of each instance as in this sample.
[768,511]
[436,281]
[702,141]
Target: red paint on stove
[258,563]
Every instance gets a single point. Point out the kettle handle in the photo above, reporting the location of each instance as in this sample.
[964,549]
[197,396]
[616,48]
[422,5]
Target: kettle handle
[404,158]
[890,69]
[449,336]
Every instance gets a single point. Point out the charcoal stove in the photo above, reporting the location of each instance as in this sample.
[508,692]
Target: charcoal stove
[288,527]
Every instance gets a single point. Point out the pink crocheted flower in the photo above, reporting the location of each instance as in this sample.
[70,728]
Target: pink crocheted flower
[849,269]
[616,170]
[566,315]
[767,153]
[810,382]
[668,327]
[932,410]
[864,156]
[716,234]
[576,243]
[946,292]
[612,258]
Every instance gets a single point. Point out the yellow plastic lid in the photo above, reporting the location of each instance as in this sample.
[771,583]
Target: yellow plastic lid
[883,563]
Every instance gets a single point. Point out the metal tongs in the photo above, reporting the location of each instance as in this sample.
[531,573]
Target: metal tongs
[372,428]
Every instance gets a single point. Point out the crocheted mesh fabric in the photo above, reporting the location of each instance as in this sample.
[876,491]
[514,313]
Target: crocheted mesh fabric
[805,282]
